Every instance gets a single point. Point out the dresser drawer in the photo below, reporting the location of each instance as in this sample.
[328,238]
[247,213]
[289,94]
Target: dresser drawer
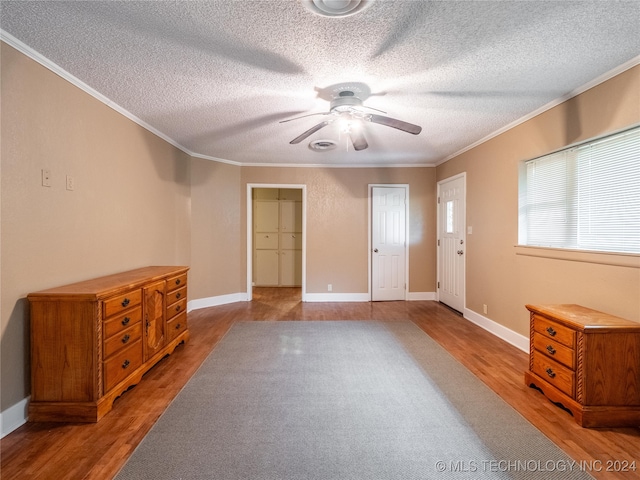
[120,365]
[176,326]
[119,322]
[176,308]
[554,331]
[176,282]
[553,372]
[176,295]
[555,350]
[124,338]
[122,302]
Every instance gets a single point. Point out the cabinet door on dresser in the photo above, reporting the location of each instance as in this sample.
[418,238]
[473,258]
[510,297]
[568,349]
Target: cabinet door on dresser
[154,319]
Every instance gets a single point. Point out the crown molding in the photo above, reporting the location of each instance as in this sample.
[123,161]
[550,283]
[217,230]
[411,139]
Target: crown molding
[554,103]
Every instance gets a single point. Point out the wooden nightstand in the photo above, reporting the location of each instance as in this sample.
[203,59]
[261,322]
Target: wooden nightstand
[587,361]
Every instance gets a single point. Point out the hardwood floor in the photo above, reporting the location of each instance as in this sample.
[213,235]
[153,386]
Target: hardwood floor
[97,451]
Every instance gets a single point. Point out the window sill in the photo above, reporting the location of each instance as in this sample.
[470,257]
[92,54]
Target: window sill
[631,260]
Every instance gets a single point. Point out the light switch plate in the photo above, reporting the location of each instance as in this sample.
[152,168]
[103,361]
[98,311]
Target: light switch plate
[46,177]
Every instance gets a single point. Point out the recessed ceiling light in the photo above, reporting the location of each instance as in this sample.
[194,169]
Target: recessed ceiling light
[336,8]
[322,145]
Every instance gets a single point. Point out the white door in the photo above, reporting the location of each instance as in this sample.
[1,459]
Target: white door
[388,245]
[451,242]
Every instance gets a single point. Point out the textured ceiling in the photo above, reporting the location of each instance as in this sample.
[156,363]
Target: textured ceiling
[216,77]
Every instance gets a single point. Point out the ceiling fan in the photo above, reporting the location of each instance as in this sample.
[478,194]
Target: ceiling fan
[346,106]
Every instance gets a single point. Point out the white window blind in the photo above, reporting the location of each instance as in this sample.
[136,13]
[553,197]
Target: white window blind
[585,198]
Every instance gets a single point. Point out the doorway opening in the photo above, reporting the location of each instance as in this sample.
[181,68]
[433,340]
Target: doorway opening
[276,241]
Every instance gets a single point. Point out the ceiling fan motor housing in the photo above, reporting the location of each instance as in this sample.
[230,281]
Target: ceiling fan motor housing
[345,103]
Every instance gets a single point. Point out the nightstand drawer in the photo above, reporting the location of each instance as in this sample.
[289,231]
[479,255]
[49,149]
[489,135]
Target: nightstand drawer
[553,372]
[555,350]
[554,331]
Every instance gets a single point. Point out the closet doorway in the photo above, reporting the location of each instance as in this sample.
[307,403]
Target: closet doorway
[276,237]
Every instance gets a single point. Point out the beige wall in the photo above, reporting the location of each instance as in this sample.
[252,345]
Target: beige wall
[496,275]
[216,243]
[337,222]
[130,206]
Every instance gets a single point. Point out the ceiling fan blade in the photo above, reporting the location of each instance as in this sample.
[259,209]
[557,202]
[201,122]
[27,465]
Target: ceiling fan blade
[309,132]
[399,124]
[358,140]
[303,116]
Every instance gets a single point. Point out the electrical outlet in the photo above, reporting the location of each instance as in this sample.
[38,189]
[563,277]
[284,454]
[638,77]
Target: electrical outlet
[329,288]
[485,309]
[71,183]
[46,177]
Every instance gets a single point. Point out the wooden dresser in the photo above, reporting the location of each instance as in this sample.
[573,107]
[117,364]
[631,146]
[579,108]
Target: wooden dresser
[92,340]
[588,362]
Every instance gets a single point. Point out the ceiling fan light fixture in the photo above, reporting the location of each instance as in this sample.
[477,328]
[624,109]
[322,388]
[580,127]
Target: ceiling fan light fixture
[336,8]
[322,145]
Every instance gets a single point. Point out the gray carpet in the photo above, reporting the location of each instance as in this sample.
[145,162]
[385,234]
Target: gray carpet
[340,400]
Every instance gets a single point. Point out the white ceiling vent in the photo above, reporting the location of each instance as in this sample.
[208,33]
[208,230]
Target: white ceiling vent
[336,8]
[322,145]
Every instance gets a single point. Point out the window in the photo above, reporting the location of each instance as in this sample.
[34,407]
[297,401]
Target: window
[585,197]
[449,228]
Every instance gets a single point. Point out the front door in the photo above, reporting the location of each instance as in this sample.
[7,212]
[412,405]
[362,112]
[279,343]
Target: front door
[451,246]
[388,243]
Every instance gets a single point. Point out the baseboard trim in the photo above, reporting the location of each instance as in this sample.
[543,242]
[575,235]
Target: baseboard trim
[417,296]
[217,300]
[13,417]
[336,297]
[519,341]
[308,297]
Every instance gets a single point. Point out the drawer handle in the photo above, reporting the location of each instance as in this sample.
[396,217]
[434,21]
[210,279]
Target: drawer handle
[178,295]
[178,326]
[551,331]
[125,302]
[125,339]
[178,281]
[550,372]
[126,364]
[551,350]
[178,308]
[126,320]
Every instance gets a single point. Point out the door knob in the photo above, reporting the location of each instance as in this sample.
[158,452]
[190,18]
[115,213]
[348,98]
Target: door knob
[375,250]
[460,252]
